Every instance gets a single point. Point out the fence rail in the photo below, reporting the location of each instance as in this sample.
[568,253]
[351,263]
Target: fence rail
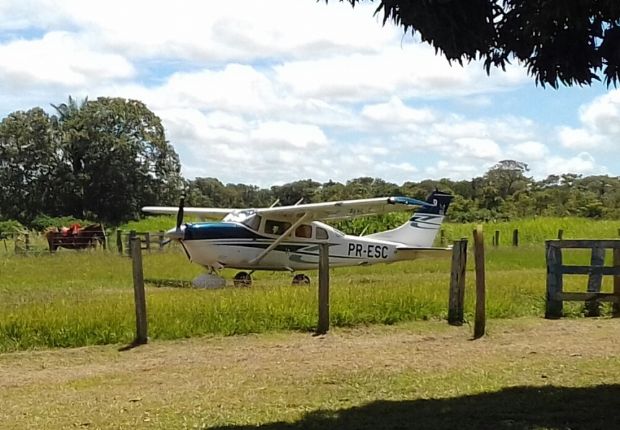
[595,271]
[148,240]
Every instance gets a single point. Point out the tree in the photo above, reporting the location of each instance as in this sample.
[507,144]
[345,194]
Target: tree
[29,160]
[560,41]
[117,159]
[291,193]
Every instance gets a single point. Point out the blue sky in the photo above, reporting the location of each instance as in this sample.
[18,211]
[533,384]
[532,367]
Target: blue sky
[280,90]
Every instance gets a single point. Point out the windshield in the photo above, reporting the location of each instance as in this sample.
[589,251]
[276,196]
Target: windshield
[239,216]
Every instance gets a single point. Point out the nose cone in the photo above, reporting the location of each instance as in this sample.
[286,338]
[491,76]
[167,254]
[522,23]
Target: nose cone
[176,233]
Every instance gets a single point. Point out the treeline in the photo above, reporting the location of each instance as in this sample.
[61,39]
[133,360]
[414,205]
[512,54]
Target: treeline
[102,160]
[504,192]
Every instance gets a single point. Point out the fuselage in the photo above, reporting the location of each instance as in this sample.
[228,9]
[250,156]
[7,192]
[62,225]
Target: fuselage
[236,245]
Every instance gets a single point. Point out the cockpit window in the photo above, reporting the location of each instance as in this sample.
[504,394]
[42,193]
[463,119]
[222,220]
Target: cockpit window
[321,233]
[276,227]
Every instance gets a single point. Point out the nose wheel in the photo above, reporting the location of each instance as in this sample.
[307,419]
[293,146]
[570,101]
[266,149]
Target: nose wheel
[242,279]
[301,279]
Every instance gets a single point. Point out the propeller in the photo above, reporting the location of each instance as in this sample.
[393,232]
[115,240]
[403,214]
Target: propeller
[180,212]
[177,233]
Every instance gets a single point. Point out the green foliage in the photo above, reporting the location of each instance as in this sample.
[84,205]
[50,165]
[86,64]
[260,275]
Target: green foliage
[42,222]
[569,43]
[10,226]
[101,159]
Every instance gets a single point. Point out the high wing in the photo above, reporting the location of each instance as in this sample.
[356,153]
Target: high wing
[210,213]
[312,211]
[344,209]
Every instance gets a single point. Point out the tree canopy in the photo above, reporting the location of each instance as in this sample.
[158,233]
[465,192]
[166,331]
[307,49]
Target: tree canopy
[99,160]
[559,41]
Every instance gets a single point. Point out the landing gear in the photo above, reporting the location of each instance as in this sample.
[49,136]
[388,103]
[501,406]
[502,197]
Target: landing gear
[242,279]
[301,279]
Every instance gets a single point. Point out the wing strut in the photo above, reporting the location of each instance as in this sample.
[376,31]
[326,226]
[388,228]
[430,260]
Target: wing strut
[279,239]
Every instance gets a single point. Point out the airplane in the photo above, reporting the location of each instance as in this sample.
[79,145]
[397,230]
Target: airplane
[287,238]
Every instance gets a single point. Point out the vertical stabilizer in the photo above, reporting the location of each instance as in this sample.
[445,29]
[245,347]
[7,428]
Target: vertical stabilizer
[421,229]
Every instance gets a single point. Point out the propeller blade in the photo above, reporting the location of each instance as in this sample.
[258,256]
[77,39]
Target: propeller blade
[180,212]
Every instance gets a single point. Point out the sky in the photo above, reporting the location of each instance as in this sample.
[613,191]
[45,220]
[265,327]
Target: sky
[273,91]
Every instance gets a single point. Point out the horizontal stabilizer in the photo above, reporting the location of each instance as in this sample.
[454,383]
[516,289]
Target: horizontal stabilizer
[405,253]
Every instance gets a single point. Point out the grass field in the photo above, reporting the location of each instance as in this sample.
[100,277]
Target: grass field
[83,298]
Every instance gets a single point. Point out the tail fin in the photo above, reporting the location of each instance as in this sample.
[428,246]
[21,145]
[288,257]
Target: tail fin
[421,229]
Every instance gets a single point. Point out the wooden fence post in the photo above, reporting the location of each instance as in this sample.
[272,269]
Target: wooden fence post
[147,239]
[515,237]
[323,325]
[495,238]
[138,289]
[27,241]
[160,240]
[456,302]
[560,234]
[119,241]
[594,281]
[553,307]
[442,237]
[615,310]
[132,236]
[480,319]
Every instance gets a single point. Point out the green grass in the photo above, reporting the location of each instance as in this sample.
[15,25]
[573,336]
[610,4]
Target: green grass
[83,298]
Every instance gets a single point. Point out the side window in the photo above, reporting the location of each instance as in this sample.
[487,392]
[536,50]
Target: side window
[321,233]
[304,231]
[276,227]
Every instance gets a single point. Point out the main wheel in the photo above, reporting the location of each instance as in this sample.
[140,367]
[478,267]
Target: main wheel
[301,279]
[242,279]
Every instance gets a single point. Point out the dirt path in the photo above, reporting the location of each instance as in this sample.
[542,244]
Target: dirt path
[275,377]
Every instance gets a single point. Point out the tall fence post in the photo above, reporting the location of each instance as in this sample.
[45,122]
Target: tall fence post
[27,241]
[147,240]
[456,301]
[495,238]
[119,241]
[323,325]
[160,239]
[615,310]
[553,306]
[593,308]
[515,237]
[132,236]
[560,234]
[138,289]
[480,318]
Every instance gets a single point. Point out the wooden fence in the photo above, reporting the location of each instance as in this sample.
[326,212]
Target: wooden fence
[595,271]
[148,240]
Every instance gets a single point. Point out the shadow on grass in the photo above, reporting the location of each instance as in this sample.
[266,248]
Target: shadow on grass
[512,408]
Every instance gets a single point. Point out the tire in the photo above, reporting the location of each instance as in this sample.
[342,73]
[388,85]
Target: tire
[242,279]
[300,280]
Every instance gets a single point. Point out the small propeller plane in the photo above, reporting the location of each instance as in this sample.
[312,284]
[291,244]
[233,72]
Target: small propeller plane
[288,237]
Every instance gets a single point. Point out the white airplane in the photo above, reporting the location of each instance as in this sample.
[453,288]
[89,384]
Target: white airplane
[287,237]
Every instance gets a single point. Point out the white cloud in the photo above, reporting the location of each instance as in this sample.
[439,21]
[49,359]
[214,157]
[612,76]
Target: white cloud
[59,58]
[530,150]
[579,138]
[583,163]
[396,112]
